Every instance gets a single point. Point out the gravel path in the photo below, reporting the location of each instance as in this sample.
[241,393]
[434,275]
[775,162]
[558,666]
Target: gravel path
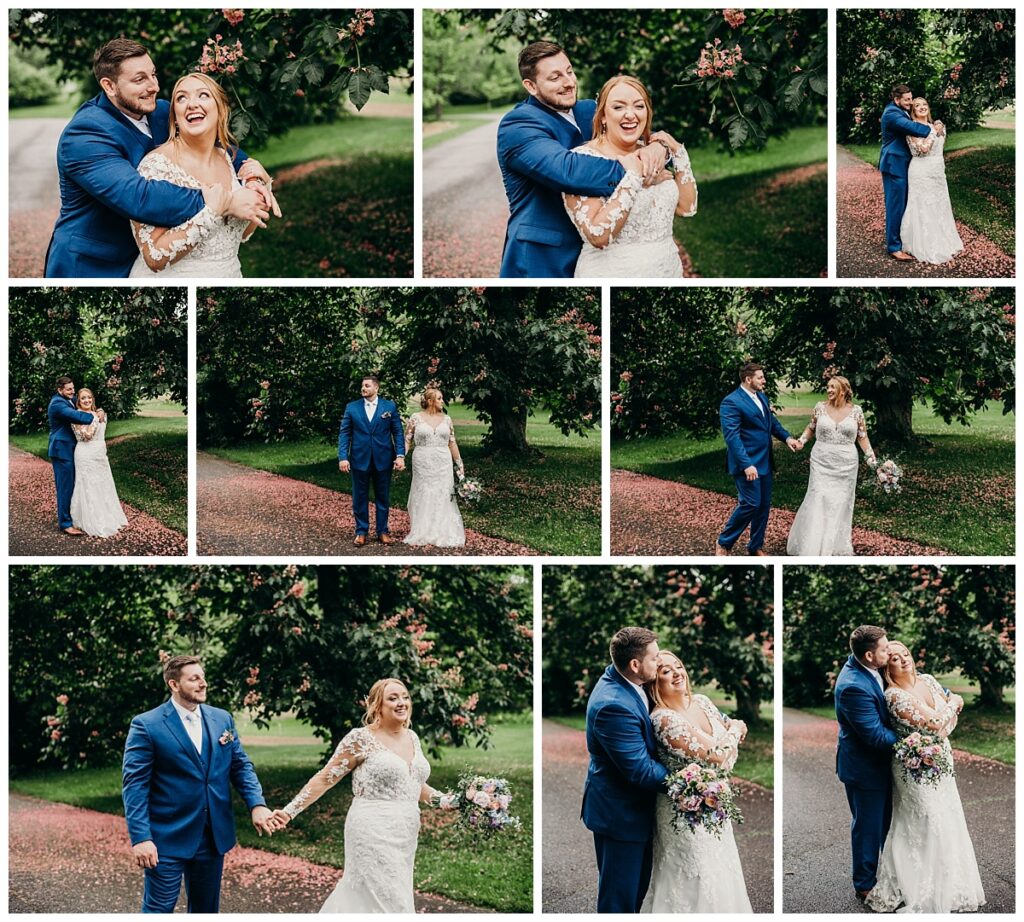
[816,837]
[569,866]
[860,234]
[246,512]
[34,200]
[66,859]
[33,525]
[654,517]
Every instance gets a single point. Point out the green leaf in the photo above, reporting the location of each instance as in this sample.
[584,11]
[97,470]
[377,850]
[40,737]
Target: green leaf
[794,92]
[359,88]
[241,124]
[738,133]
[819,83]
[313,71]
[378,79]
[754,74]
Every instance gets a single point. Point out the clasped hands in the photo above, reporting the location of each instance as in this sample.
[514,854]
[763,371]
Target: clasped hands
[253,203]
[650,161]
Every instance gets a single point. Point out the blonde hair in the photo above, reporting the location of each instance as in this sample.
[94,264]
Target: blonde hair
[375,701]
[224,137]
[846,389]
[652,687]
[884,671]
[602,101]
[914,105]
[429,391]
[85,390]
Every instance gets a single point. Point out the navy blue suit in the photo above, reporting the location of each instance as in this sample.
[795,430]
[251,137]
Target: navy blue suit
[863,764]
[370,447]
[537,165]
[180,800]
[748,443]
[623,780]
[894,164]
[61,414]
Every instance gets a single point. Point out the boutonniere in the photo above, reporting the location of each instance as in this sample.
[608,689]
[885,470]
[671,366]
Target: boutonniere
[386,415]
[228,736]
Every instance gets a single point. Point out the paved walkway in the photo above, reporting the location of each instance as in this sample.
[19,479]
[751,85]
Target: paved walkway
[816,822]
[663,518]
[569,867]
[66,859]
[33,520]
[860,234]
[245,512]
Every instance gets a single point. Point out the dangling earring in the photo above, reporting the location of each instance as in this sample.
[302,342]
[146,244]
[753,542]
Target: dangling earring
[604,128]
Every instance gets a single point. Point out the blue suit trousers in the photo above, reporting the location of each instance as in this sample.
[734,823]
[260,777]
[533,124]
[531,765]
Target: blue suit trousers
[752,508]
[895,188]
[361,481]
[623,874]
[202,875]
[872,812]
[64,478]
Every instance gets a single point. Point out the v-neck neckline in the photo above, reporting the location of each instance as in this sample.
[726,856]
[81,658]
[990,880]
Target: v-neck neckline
[397,755]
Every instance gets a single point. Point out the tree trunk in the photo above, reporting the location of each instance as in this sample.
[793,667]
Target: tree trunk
[748,707]
[894,417]
[508,431]
[991,692]
[438,110]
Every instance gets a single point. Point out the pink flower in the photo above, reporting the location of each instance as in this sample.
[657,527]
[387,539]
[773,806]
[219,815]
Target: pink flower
[234,17]
[62,699]
[735,18]
[55,735]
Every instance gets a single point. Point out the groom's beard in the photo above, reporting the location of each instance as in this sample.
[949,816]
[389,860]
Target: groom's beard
[136,107]
[556,102]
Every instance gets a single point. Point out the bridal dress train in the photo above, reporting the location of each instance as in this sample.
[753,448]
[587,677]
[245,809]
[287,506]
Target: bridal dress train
[824,522]
[928,862]
[382,826]
[95,507]
[644,246]
[928,230]
[434,517]
[214,240]
[694,871]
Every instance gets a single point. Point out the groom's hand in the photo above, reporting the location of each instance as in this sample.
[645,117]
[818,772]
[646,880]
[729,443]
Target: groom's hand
[652,160]
[794,444]
[248,205]
[751,472]
[344,467]
[145,855]
[262,819]
[399,464]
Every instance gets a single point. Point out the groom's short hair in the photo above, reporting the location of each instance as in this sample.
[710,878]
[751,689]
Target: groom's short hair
[865,638]
[630,643]
[748,370]
[108,58]
[532,54]
[372,378]
[174,666]
[62,380]
[899,90]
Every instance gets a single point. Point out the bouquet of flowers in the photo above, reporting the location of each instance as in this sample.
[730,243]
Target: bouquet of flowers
[702,797]
[469,491]
[923,759]
[483,804]
[888,475]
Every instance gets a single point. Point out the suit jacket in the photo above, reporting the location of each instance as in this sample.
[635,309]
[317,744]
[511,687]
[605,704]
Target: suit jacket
[623,778]
[896,125]
[537,165]
[61,414]
[171,793]
[100,191]
[748,434]
[371,444]
[866,737]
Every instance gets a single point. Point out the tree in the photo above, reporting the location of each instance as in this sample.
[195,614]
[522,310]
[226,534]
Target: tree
[279,67]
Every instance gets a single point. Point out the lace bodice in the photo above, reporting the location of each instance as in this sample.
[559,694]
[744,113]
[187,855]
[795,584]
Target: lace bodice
[424,435]
[910,714]
[930,147]
[95,430]
[680,742]
[845,432]
[377,772]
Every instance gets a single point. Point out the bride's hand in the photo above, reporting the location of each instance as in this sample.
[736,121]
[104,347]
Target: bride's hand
[665,137]
[632,163]
[217,198]
[280,819]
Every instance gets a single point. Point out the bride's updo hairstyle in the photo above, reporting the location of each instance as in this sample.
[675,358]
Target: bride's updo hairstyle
[884,671]
[652,686]
[429,393]
[375,702]
[602,101]
[845,388]
[917,102]
[85,390]
[224,137]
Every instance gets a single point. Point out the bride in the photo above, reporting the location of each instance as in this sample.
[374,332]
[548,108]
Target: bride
[824,522]
[928,230]
[629,234]
[693,871]
[95,508]
[434,516]
[928,862]
[197,156]
[389,779]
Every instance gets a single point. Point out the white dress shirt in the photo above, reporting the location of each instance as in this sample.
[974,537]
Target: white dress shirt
[142,123]
[371,407]
[193,721]
[754,397]
[570,118]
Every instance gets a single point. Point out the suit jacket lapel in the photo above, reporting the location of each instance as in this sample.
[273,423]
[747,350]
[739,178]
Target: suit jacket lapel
[141,138]
[209,740]
[563,124]
[177,729]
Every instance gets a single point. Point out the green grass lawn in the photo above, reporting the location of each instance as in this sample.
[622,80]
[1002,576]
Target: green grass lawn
[958,485]
[981,182]
[150,465]
[446,862]
[355,136]
[552,504]
[747,227]
[63,108]
[458,120]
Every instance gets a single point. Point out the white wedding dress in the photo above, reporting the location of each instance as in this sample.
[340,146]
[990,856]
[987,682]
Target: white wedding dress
[928,862]
[694,871]
[382,826]
[434,517]
[214,240]
[928,230]
[824,522]
[95,507]
[644,246]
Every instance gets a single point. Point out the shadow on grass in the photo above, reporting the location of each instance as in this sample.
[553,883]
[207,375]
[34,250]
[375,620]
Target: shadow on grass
[981,187]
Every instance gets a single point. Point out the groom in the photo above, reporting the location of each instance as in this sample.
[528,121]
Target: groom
[180,762]
[748,426]
[623,777]
[535,153]
[100,190]
[371,444]
[61,414]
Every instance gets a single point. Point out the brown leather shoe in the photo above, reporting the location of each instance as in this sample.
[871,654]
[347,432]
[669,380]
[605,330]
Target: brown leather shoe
[385,538]
[360,540]
[902,256]
[721,551]
[74,532]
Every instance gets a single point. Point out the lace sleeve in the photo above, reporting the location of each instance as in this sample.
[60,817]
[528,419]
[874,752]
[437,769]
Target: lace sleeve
[451,432]
[815,413]
[677,733]
[920,147]
[84,433]
[598,219]
[350,752]
[684,176]
[160,247]
[858,417]
[912,712]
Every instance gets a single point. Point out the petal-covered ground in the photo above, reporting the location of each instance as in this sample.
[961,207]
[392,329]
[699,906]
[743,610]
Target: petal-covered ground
[653,517]
[33,520]
[66,859]
[30,234]
[816,822]
[241,512]
[860,234]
